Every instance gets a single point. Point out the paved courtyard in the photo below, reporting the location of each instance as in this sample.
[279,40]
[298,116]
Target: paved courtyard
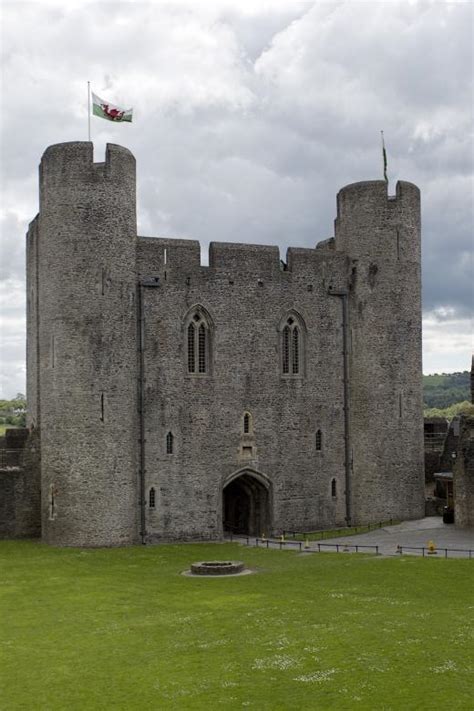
[413,533]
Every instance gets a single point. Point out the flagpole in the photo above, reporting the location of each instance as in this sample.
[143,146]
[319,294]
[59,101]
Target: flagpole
[89,109]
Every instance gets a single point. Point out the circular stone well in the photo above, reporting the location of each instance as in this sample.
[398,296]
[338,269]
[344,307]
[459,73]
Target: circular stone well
[217,567]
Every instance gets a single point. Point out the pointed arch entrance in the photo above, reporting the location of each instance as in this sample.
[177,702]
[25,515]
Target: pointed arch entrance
[246,503]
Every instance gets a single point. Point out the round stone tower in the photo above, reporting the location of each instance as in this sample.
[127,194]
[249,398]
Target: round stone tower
[381,236]
[86,252]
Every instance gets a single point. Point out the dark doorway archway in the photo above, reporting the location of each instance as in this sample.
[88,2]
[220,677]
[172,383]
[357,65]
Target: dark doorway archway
[246,506]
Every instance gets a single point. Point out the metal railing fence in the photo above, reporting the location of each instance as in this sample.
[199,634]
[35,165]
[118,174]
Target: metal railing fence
[426,550]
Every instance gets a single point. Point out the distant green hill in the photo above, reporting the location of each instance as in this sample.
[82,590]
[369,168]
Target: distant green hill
[443,390]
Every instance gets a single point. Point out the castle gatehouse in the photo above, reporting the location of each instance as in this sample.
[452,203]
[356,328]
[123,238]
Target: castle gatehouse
[176,400]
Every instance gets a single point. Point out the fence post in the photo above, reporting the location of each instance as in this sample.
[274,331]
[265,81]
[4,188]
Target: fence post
[423,549]
[445,552]
[376,550]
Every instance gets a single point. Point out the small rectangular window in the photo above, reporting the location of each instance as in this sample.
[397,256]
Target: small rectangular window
[319,441]
[152,498]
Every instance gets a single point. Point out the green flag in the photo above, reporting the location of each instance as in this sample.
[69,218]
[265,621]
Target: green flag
[384,154]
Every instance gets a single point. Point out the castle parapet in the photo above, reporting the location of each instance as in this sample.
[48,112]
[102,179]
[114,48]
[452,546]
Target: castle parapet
[370,223]
[263,260]
[69,164]
[156,255]
[76,157]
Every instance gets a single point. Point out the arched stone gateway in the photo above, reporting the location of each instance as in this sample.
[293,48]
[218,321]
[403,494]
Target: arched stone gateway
[246,504]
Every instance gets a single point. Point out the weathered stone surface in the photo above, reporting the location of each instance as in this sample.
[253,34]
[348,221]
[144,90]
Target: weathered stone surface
[217,567]
[20,489]
[84,262]
[464,474]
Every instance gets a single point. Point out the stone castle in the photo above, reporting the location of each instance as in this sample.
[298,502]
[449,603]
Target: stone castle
[172,400]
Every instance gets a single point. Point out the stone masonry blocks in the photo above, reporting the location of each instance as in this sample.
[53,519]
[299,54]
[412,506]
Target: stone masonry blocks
[84,263]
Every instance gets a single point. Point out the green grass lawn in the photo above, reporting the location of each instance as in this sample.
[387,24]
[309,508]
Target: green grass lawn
[123,629]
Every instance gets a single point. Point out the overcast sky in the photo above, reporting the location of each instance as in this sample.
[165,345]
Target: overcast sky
[248,118]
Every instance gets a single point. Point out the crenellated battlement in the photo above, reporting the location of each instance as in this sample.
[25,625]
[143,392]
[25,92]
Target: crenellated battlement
[226,256]
[74,154]
[181,258]
[371,223]
[366,195]
[71,164]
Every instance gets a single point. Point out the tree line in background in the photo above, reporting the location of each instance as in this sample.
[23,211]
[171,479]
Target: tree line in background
[444,395]
[13,412]
[447,394]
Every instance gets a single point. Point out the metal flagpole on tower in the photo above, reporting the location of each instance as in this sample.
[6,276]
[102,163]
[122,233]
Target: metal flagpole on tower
[89,109]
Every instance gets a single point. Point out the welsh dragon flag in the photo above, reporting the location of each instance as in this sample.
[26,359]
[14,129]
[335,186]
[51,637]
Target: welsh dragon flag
[108,111]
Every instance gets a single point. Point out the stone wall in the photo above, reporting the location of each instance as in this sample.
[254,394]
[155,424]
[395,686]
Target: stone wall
[246,296]
[20,491]
[464,474]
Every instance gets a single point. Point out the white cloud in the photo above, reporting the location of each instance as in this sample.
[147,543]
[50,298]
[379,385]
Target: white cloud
[447,342]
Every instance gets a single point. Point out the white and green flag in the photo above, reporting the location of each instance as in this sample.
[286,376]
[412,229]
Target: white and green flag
[108,111]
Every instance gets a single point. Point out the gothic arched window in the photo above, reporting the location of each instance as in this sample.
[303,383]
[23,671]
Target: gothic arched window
[169,443]
[247,423]
[333,488]
[292,345]
[198,342]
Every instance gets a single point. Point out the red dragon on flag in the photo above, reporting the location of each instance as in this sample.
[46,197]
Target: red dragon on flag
[112,113]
